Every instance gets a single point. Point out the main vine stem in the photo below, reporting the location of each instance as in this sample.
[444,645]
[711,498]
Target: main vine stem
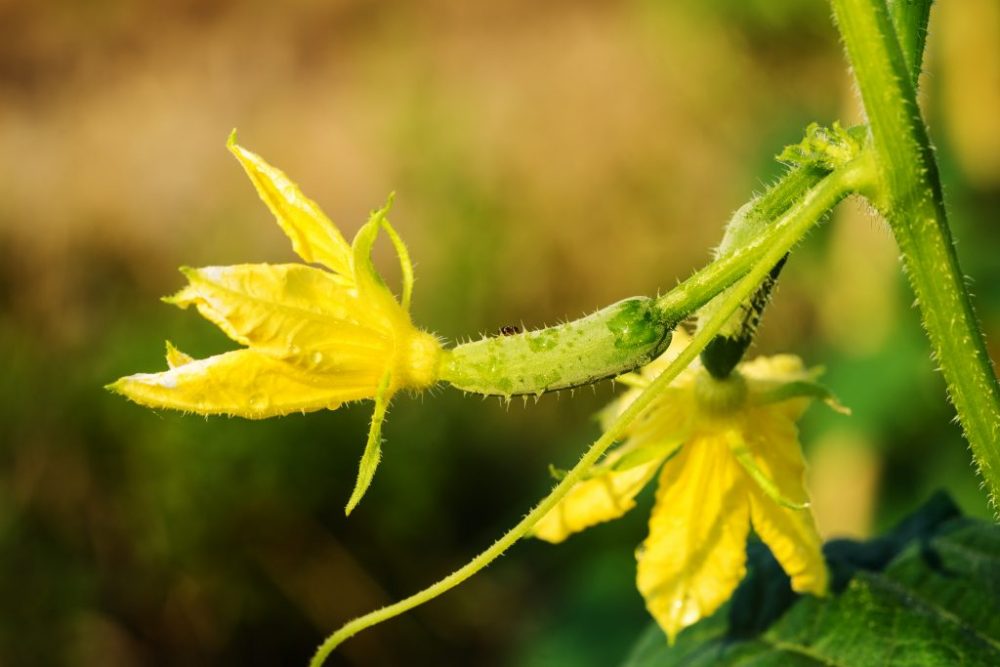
[908,194]
[788,231]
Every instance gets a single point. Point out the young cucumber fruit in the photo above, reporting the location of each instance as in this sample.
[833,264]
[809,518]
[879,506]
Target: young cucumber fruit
[612,341]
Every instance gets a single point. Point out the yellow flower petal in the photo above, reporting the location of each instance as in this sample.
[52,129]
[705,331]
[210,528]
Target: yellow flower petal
[175,357]
[790,533]
[292,311]
[781,367]
[773,441]
[601,498]
[765,374]
[793,539]
[314,237]
[740,459]
[695,553]
[244,383]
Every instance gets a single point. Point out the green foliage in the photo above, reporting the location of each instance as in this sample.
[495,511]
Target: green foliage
[927,593]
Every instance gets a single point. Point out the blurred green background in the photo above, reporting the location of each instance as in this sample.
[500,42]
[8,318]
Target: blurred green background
[548,159]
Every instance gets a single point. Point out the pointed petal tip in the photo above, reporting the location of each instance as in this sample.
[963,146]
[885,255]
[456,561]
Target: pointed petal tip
[814,584]
[182,297]
[314,237]
[124,387]
[837,406]
[383,210]
[241,154]
[175,357]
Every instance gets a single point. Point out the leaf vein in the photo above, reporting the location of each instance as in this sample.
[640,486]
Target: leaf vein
[928,607]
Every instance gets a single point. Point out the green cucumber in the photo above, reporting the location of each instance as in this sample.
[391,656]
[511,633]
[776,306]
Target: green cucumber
[614,340]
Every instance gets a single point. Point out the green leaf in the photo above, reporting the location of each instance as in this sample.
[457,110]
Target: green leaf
[928,593]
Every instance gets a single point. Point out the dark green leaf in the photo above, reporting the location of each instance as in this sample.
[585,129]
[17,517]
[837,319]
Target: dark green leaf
[927,593]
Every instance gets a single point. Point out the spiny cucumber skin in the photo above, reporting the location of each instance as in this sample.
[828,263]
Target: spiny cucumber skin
[614,340]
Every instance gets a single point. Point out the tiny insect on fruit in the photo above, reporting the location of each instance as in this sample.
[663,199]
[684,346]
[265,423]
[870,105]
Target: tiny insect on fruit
[510,330]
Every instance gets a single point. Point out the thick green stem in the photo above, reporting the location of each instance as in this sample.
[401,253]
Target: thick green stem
[788,231]
[908,194]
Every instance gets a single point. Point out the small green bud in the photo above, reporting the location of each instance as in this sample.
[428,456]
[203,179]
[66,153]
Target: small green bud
[608,343]
[726,349]
[826,147]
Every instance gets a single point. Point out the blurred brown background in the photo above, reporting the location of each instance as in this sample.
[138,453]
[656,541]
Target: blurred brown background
[548,158]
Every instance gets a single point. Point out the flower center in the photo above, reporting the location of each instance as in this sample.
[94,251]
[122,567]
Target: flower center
[420,359]
[720,396]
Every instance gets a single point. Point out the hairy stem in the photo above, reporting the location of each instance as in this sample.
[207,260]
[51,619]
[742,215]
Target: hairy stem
[811,204]
[909,18]
[908,194]
[789,230]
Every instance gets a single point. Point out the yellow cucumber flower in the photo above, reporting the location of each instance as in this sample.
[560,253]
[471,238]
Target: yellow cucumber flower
[728,457]
[313,337]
